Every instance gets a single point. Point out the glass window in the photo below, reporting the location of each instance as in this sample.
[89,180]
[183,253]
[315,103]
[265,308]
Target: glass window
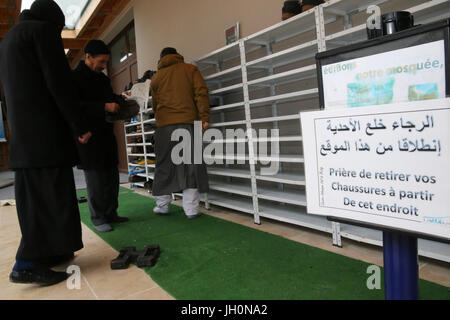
[73,10]
[119,51]
[132,40]
[123,46]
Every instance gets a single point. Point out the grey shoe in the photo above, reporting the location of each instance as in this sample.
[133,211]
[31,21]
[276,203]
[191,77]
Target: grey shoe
[194,216]
[161,211]
[104,228]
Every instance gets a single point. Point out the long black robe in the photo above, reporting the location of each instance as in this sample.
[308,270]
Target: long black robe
[44,118]
[94,90]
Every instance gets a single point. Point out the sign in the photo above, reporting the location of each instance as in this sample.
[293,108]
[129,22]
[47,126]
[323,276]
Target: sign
[232,34]
[409,74]
[386,165]
[2,128]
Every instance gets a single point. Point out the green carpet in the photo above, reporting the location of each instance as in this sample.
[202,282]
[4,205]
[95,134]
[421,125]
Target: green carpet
[212,259]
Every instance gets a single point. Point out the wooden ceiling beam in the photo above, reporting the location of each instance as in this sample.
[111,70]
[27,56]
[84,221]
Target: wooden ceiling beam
[74,43]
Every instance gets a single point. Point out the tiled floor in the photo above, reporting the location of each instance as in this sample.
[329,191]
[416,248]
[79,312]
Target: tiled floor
[135,284]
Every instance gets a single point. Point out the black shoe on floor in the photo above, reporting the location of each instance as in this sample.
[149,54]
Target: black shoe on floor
[41,276]
[118,219]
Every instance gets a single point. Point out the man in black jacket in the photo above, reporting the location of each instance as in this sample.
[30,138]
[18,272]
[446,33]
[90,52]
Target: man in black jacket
[99,158]
[44,118]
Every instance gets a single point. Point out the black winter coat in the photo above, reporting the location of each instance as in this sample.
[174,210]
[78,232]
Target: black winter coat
[43,111]
[94,90]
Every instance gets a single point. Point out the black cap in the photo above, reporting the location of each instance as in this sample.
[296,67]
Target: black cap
[48,10]
[167,51]
[95,47]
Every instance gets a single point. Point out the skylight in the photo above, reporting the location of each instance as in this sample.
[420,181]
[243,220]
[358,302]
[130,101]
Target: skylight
[73,10]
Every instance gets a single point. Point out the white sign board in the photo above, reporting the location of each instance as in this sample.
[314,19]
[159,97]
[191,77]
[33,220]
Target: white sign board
[385,165]
[404,75]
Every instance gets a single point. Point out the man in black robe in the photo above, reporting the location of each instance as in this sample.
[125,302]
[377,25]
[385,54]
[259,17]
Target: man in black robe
[99,157]
[45,120]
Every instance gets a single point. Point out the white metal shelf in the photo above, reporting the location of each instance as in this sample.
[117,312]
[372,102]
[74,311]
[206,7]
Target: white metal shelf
[287,56]
[227,90]
[299,217]
[136,155]
[136,165]
[426,248]
[139,184]
[305,94]
[289,197]
[241,157]
[291,138]
[139,144]
[301,23]
[338,8]
[134,134]
[282,158]
[227,124]
[424,13]
[434,250]
[227,75]
[132,124]
[430,11]
[284,178]
[234,140]
[224,200]
[307,72]
[153,120]
[149,176]
[227,107]
[218,56]
[226,172]
[273,119]
[233,188]
[348,36]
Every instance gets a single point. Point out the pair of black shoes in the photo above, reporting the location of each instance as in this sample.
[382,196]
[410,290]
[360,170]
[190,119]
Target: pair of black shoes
[42,275]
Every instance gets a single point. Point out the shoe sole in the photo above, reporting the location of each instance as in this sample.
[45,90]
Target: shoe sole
[44,284]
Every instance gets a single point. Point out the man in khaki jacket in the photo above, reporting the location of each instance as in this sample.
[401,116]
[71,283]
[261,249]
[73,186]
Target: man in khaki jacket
[179,98]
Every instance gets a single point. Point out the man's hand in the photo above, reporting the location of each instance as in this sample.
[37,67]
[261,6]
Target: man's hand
[112,107]
[85,137]
[205,125]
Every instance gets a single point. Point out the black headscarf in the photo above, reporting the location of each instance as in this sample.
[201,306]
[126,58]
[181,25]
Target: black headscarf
[46,10]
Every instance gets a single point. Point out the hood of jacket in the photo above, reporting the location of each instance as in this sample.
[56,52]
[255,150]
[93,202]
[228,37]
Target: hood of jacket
[45,10]
[170,60]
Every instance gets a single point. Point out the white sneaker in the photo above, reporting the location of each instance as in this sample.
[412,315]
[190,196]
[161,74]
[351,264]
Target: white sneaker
[159,210]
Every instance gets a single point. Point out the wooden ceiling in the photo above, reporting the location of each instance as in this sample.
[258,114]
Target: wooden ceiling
[9,13]
[97,17]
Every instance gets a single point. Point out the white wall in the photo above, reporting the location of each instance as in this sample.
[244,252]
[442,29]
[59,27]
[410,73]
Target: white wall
[195,27]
